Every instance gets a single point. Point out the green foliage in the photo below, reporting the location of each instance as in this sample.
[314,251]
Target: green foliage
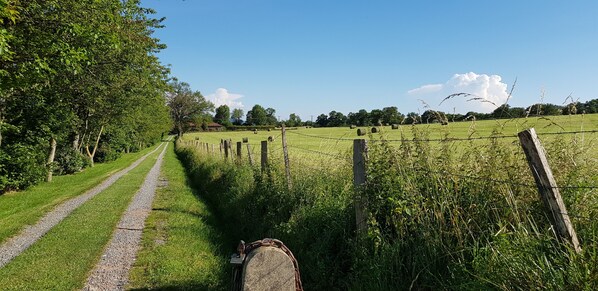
[314,219]
[79,71]
[69,161]
[21,166]
[187,107]
[222,115]
[441,215]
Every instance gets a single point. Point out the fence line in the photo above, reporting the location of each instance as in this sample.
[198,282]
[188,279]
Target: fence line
[448,139]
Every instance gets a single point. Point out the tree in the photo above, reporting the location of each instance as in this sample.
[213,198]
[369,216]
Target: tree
[237,115]
[186,106]
[257,116]
[336,119]
[322,120]
[376,117]
[271,117]
[222,115]
[391,115]
[294,120]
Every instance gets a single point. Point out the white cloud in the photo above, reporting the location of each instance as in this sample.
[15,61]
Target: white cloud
[488,87]
[223,97]
[431,88]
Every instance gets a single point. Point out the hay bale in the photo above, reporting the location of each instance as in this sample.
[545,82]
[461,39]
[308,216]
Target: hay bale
[361,132]
[353,126]
[255,131]
[395,126]
[245,140]
[270,138]
[374,130]
[269,129]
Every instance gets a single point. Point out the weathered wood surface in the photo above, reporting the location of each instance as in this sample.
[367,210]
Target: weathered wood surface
[549,191]
[287,164]
[268,268]
[264,160]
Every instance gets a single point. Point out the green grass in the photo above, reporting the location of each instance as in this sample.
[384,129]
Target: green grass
[328,137]
[181,245]
[18,209]
[62,259]
[441,215]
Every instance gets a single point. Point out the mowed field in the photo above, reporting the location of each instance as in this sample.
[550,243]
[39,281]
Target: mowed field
[337,141]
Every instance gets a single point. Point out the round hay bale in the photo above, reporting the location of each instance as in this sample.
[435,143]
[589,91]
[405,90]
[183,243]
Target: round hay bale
[361,132]
[374,129]
[245,140]
[255,131]
[270,138]
[395,126]
[353,126]
[269,129]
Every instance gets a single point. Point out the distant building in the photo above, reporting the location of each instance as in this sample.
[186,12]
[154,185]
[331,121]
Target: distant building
[213,126]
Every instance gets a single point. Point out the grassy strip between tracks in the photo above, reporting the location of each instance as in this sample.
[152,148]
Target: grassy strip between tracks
[62,259]
[181,246]
[18,209]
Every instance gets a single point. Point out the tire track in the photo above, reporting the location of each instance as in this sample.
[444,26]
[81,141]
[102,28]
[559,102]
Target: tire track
[112,271]
[28,236]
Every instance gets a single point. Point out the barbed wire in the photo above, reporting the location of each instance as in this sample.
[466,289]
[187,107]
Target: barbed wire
[448,139]
[337,157]
[497,181]
[322,137]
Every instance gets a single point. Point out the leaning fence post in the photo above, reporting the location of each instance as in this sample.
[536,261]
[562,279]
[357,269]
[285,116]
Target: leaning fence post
[553,202]
[226,148]
[360,156]
[249,155]
[264,155]
[287,165]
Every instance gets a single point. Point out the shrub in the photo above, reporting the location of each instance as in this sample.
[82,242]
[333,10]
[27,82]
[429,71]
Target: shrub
[69,161]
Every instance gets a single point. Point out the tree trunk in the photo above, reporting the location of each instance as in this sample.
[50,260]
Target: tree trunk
[95,148]
[76,141]
[51,159]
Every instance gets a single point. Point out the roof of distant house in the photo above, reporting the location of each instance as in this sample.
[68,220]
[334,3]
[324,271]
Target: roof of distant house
[214,124]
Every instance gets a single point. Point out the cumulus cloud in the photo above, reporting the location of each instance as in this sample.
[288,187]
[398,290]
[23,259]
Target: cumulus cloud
[223,97]
[487,87]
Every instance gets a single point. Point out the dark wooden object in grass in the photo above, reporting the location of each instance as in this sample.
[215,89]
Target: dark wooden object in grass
[360,155]
[264,160]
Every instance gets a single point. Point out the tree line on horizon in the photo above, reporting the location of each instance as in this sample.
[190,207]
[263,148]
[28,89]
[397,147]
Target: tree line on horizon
[259,116]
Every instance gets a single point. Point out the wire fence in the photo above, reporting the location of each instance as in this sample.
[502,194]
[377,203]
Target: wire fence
[446,139]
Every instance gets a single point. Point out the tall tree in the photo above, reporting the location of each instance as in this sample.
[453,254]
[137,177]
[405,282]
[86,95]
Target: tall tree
[294,120]
[222,115]
[186,106]
[237,115]
[257,116]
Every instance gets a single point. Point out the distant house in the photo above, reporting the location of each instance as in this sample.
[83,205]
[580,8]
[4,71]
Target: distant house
[213,126]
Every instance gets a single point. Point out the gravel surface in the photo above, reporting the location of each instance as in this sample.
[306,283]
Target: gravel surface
[17,244]
[112,271]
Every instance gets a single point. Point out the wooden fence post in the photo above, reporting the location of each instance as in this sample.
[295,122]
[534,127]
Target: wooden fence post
[360,156]
[239,150]
[264,155]
[207,147]
[553,202]
[226,148]
[287,165]
[249,155]
[221,147]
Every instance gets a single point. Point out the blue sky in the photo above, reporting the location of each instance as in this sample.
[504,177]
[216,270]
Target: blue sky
[313,56]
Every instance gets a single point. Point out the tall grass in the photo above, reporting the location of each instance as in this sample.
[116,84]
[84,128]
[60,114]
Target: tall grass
[450,215]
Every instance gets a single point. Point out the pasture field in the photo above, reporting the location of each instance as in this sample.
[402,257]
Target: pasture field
[338,141]
[451,214]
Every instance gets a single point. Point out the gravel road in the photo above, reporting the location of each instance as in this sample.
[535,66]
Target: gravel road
[112,271]
[17,244]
